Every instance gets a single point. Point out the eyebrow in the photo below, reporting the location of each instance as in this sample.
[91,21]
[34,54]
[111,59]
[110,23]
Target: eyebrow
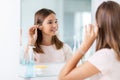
[52,20]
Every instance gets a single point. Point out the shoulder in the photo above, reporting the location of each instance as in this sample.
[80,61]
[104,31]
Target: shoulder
[104,52]
[67,51]
[66,46]
[101,58]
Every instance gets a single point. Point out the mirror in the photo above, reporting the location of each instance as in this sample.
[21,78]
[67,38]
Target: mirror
[72,16]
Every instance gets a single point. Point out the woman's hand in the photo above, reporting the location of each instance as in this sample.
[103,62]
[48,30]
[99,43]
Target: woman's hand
[32,34]
[91,32]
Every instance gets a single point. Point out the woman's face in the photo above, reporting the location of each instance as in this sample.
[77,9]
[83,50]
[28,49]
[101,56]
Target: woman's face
[50,25]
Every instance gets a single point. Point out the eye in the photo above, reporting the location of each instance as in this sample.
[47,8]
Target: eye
[50,22]
[56,21]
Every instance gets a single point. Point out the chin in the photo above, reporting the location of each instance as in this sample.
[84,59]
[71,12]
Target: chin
[53,34]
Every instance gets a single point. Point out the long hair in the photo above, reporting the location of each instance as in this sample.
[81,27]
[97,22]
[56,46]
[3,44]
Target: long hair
[39,18]
[108,20]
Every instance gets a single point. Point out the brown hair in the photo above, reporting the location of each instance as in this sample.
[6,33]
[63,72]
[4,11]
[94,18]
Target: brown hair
[108,20]
[39,18]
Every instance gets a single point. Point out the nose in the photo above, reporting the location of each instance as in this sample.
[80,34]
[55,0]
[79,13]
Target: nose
[55,25]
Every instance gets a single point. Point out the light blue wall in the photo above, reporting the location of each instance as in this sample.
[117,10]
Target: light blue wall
[71,7]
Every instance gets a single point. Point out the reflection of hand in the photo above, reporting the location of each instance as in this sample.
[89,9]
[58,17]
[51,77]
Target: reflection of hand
[32,34]
[91,32]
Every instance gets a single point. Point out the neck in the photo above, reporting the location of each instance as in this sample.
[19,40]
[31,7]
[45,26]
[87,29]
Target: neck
[47,40]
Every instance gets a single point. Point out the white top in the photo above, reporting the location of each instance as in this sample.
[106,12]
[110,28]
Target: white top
[53,55]
[105,60]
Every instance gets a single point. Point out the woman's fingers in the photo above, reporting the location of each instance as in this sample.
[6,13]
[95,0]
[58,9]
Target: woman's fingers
[33,30]
[95,29]
[32,34]
[88,30]
[35,35]
[91,32]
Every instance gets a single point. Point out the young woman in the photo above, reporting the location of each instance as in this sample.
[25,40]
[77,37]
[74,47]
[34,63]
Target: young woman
[43,36]
[105,62]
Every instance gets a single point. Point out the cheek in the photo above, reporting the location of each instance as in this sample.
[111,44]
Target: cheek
[57,26]
[46,29]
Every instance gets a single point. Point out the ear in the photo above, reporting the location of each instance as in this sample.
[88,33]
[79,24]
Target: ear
[40,27]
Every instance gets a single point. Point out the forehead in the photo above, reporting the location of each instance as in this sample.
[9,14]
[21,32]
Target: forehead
[51,17]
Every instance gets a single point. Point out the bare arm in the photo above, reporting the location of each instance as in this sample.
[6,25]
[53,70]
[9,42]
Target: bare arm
[70,71]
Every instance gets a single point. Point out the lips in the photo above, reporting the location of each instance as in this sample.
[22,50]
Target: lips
[54,30]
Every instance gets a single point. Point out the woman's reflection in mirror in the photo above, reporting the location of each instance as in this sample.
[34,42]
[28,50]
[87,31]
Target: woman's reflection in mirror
[48,48]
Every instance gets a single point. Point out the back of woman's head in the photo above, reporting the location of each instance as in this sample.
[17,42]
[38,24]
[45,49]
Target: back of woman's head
[39,18]
[108,20]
